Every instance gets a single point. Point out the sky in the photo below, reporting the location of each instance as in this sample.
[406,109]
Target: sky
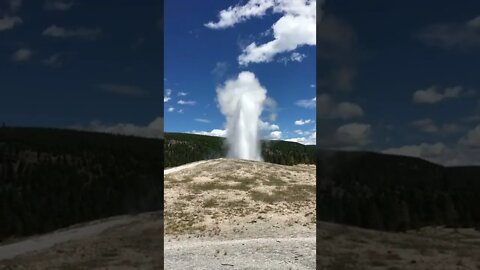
[94,65]
[210,42]
[400,77]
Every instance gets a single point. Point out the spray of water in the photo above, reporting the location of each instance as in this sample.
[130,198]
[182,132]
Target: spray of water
[241,100]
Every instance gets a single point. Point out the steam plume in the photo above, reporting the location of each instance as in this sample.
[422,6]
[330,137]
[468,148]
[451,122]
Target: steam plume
[241,100]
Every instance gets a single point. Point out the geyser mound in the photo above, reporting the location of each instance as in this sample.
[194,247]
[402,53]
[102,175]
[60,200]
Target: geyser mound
[241,100]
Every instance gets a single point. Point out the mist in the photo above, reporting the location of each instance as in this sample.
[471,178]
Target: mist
[241,100]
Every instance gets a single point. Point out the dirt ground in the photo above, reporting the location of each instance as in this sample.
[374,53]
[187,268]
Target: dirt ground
[238,214]
[134,243]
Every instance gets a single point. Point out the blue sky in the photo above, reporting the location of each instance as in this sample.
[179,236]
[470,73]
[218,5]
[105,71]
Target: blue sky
[199,58]
[407,75]
[93,65]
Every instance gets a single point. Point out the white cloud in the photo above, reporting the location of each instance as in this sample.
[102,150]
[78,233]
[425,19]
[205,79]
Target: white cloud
[275,135]
[166,97]
[202,120]
[58,5]
[153,130]
[7,22]
[308,140]
[302,122]
[327,108]
[171,109]
[295,28]
[186,102]
[312,85]
[423,150]
[267,126]
[22,55]
[213,132]
[427,125]
[294,57]
[233,15]
[307,103]
[121,89]
[464,35]
[81,33]
[353,134]
[433,95]
[182,94]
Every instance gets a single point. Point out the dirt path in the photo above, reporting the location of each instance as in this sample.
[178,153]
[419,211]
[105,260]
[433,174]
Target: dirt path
[183,167]
[256,253]
[49,240]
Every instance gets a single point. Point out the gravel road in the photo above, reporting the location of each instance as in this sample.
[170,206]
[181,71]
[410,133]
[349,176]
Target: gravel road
[257,253]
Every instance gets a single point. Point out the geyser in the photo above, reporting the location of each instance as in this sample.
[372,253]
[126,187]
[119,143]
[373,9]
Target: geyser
[241,100]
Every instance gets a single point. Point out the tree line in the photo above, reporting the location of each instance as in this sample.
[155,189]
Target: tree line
[51,179]
[181,148]
[395,193]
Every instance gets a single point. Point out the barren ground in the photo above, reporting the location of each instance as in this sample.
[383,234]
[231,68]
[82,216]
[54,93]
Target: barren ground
[237,214]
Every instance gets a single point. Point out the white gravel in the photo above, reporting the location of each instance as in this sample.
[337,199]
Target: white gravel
[257,253]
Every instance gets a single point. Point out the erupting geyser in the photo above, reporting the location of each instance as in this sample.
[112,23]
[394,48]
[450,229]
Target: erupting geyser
[241,101]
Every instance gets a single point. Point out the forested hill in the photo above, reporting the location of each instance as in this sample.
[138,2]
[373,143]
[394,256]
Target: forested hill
[396,193]
[52,178]
[181,148]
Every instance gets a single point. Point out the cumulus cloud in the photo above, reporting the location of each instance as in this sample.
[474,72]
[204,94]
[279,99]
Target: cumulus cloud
[295,28]
[182,94]
[202,120]
[213,132]
[327,108]
[424,150]
[307,103]
[153,130]
[167,96]
[465,35]
[308,139]
[121,89]
[275,135]
[8,22]
[434,95]
[302,122]
[427,125]
[22,55]
[186,102]
[171,109]
[80,33]
[267,126]
[353,134]
[294,57]
[58,5]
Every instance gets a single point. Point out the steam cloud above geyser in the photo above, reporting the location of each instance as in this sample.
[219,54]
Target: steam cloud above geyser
[241,100]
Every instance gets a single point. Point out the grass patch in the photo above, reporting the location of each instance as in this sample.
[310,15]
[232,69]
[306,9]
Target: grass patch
[210,203]
[294,193]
